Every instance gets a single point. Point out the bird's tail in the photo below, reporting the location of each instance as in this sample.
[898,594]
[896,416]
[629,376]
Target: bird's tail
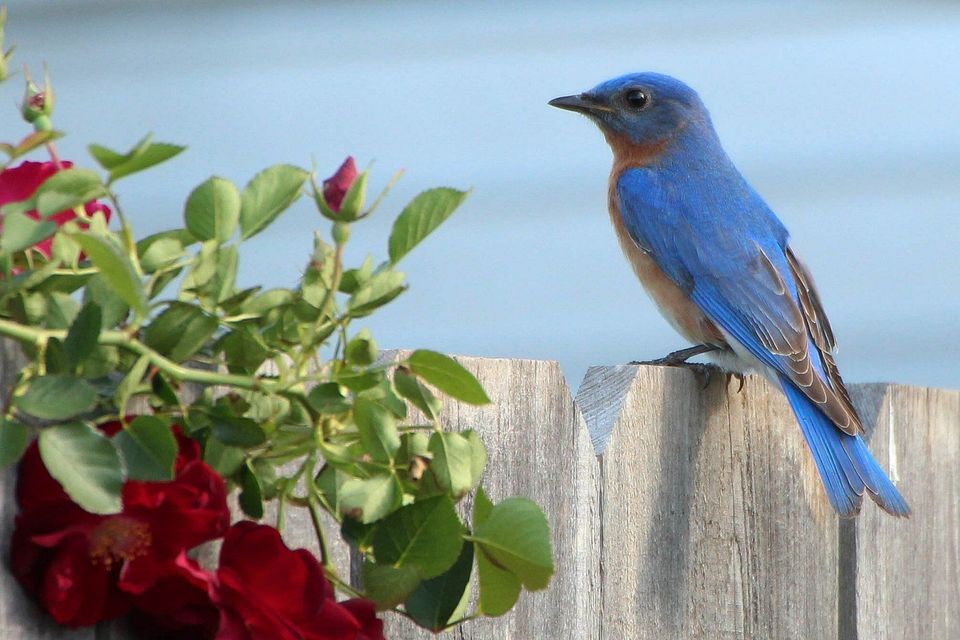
[846,466]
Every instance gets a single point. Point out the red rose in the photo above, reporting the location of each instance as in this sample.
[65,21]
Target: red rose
[82,566]
[265,591]
[336,186]
[21,182]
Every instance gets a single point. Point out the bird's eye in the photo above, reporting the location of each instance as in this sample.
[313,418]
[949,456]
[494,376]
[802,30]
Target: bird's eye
[637,99]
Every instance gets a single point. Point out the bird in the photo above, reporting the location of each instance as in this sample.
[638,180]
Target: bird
[720,266]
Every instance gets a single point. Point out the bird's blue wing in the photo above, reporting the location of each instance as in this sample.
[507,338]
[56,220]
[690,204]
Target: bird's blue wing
[730,253]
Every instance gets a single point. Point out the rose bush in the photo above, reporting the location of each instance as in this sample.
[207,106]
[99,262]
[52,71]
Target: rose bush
[272,393]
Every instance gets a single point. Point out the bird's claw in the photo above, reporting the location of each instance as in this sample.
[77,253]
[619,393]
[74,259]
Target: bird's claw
[678,358]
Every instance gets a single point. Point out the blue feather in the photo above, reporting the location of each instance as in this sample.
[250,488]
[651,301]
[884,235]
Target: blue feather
[845,464]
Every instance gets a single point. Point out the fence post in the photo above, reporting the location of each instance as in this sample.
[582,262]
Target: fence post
[903,576]
[713,522]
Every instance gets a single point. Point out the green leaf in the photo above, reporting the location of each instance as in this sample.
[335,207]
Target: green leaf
[369,499]
[426,535]
[448,375]
[327,398]
[420,218]
[86,464]
[14,438]
[237,431]
[106,158]
[213,209]
[68,189]
[362,349]
[82,337]
[21,232]
[180,331]
[381,289]
[224,459]
[388,586]
[149,449]
[116,269]
[162,249]
[29,143]
[267,195]
[251,494]
[143,157]
[128,386]
[57,397]
[515,536]
[435,602]
[113,309]
[378,430]
[478,456]
[245,350]
[412,389]
[499,589]
[451,464]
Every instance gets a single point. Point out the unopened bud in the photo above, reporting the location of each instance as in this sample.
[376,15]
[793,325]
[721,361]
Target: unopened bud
[38,104]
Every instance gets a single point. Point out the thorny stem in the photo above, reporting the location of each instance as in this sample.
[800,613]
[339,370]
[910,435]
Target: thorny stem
[181,373]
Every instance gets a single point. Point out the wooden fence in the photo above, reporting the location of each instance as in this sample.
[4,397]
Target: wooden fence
[687,512]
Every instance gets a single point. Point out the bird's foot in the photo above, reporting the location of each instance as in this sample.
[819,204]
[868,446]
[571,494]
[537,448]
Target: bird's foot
[703,372]
[679,358]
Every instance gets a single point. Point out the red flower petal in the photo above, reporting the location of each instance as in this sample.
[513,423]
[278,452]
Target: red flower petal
[336,186]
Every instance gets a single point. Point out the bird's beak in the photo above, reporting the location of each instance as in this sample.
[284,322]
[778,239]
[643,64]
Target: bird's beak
[583,103]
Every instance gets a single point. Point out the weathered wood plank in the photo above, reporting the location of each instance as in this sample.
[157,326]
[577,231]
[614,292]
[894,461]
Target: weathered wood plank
[713,522]
[906,573]
[19,616]
[538,447]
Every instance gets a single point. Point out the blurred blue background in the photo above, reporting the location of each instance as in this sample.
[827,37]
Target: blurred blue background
[844,116]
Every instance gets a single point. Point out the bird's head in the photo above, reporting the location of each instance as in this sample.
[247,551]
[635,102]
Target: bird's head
[639,108]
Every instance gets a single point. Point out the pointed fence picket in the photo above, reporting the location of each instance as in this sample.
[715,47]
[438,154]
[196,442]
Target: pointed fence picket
[683,510]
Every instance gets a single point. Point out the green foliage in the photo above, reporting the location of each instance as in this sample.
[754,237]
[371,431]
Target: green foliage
[289,398]
[86,463]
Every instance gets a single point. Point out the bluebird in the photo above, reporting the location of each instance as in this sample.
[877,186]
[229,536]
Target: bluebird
[719,264]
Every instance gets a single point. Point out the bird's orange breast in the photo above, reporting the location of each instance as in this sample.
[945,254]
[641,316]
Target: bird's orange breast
[675,305]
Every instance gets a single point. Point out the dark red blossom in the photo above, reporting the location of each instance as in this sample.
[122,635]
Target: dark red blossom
[266,591]
[20,182]
[336,186]
[77,563]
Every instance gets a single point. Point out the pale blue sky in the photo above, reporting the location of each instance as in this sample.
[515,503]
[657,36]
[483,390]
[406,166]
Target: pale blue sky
[845,119]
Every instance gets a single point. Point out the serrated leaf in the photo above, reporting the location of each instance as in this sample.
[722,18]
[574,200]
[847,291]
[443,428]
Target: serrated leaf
[425,535]
[116,269]
[388,586]
[105,157]
[14,438]
[149,449]
[245,350]
[420,218]
[267,195]
[213,210]
[57,397]
[86,464]
[82,337]
[67,189]
[451,464]
[224,459]
[436,601]
[369,499]
[447,375]
[377,428]
[515,536]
